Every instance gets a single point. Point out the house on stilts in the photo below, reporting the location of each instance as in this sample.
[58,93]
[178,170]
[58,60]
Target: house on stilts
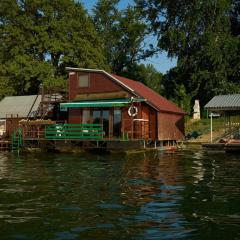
[109,112]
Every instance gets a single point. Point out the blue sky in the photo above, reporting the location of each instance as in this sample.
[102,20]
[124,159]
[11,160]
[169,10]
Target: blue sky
[161,62]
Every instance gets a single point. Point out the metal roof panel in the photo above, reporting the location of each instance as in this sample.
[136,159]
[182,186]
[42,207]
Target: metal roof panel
[224,102]
[18,105]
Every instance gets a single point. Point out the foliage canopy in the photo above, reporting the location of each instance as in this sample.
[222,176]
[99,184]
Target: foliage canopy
[39,38]
[203,35]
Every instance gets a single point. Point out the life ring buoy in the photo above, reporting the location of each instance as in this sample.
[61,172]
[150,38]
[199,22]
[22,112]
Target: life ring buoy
[132,111]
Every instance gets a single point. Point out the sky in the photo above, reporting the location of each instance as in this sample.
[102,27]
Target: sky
[161,62]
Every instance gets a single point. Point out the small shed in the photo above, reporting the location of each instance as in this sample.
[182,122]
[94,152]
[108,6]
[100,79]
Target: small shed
[228,106]
[15,108]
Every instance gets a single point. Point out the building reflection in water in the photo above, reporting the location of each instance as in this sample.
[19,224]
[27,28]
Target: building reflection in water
[3,166]
[198,167]
[155,185]
[148,175]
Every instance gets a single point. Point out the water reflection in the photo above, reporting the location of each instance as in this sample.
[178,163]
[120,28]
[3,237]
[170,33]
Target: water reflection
[3,165]
[185,195]
[155,183]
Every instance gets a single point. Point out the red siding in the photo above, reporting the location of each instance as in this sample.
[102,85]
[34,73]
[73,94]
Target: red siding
[145,125]
[153,124]
[74,115]
[170,126]
[11,125]
[146,130]
[99,83]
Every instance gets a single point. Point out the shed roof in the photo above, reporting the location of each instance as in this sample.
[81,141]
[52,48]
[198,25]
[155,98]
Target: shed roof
[224,102]
[18,105]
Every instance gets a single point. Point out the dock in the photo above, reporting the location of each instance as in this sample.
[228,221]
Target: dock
[227,147]
[232,147]
[5,145]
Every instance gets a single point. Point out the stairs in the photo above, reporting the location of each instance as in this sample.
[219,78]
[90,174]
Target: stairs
[43,110]
[227,134]
[48,102]
[50,97]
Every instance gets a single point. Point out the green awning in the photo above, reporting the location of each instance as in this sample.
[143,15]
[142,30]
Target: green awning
[100,103]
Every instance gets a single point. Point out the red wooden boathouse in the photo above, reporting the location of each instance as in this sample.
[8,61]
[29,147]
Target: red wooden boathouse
[127,109]
[103,111]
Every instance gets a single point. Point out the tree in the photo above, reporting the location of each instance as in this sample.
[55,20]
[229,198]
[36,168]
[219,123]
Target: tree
[199,34]
[147,74]
[123,34]
[174,89]
[234,17]
[40,37]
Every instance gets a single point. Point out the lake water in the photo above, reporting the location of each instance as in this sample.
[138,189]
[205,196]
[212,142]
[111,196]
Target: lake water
[183,195]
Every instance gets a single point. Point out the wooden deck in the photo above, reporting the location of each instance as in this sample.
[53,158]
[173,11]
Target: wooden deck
[47,135]
[233,147]
[227,147]
[214,146]
[76,145]
[5,145]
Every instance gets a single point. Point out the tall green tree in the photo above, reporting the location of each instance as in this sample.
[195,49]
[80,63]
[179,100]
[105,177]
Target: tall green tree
[39,38]
[199,34]
[147,74]
[235,19]
[123,33]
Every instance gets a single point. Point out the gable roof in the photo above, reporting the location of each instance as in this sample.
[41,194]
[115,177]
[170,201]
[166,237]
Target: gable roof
[151,96]
[18,105]
[137,88]
[224,102]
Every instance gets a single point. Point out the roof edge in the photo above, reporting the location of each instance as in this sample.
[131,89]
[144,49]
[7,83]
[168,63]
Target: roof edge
[222,108]
[100,71]
[178,113]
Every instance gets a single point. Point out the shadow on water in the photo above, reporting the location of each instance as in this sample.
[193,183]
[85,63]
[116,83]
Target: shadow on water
[182,195]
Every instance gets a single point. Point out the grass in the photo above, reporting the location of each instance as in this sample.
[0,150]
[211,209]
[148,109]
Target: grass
[197,128]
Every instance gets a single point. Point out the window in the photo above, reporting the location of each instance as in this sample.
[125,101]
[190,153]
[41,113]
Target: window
[86,116]
[117,122]
[96,116]
[105,120]
[83,81]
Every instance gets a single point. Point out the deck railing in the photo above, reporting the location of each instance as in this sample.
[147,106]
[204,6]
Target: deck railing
[74,131]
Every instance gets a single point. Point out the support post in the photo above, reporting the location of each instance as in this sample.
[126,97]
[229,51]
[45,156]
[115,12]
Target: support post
[42,100]
[211,127]
[132,118]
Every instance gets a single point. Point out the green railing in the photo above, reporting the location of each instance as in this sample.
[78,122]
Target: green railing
[17,140]
[74,131]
